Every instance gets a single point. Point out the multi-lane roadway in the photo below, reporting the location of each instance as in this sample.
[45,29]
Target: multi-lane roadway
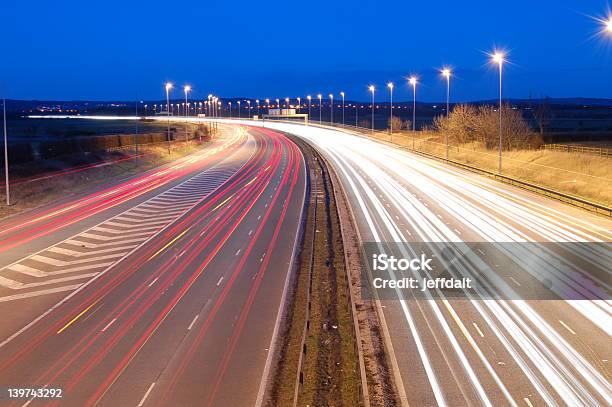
[472,350]
[162,289]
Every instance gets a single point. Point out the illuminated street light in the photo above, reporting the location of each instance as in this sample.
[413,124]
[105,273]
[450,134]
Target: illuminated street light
[342,94]
[372,89]
[209,106]
[331,108]
[257,101]
[499,58]
[249,115]
[268,105]
[278,103]
[299,99]
[230,108]
[168,87]
[447,73]
[390,86]
[309,105]
[413,81]
[320,97]
[239,111]
[187,89]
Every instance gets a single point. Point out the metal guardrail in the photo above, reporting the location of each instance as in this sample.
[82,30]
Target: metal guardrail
[573,148]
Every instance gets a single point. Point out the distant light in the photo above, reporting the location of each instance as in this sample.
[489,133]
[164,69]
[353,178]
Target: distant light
[168,86]
[498,57]
[331,96]
[390,85]
[446,72]
[608,24]
[319,96]
[309,97]
[371,88]
[413,80]
[187,88]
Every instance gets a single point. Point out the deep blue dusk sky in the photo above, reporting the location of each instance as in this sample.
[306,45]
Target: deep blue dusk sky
[115,49]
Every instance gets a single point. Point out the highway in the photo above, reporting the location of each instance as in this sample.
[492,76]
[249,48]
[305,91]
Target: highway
[163,289]
[472,350]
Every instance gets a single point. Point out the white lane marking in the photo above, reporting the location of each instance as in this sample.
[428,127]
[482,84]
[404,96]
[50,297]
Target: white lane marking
[514,281]
[34,272]
[37,293]
[108,325]
[193,322]
[250,232]
[528,402]
[567,327]
[87,245]
[478,329]
[238,252]
[18,285]
[219,282]
[144,398]
[62,263]
[153,282]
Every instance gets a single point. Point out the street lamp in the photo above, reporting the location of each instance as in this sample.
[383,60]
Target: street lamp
[230,108]
[372,89]
[187,89]
[413,82]
[331,107]
[342,94]
[390,86]
[447,73]
[278,103]
[268,105]
[249,103]
[299,99]
[499,58]
[309,105]
[287,103]
[257,101]
[239,111]
[168,87]
[6,172]
[320,97]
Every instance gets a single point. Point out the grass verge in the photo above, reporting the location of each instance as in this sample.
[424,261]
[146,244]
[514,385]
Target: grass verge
[329,371]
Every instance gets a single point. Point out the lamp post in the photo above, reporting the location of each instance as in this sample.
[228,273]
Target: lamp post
[320,97]
[187,89]
[309,105]
[446,72]
[257,101]
[372,89]
[331,108]
[6,172]
[413,82]
[499,59]
[168,87]
[299,99]
[239,111]
[390,86]
[268,105]
[230,108]
[286,103]
[278,106]
[249,111]
[342,94]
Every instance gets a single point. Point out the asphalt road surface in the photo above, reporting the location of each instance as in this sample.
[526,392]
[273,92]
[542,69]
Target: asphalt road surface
[474,350]
[164,289]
